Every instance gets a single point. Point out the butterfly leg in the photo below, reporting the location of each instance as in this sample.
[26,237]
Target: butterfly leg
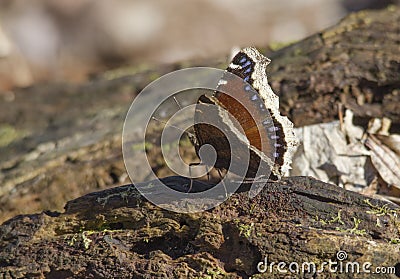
[190,174]
[208,173]
[223,183]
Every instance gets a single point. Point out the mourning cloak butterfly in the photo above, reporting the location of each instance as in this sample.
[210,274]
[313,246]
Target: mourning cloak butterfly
[251,101]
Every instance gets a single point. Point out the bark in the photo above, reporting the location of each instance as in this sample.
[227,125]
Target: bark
[116,233]
[355,63]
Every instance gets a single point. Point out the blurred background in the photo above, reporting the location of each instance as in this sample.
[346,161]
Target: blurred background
[68,40]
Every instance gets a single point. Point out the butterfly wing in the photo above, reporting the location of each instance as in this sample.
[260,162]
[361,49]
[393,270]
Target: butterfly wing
[268,135]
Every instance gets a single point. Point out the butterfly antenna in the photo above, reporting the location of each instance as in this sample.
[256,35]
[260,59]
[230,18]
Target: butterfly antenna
[177,103]
[189,134]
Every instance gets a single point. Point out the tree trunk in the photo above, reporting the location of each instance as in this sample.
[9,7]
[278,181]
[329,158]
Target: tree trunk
[117,233]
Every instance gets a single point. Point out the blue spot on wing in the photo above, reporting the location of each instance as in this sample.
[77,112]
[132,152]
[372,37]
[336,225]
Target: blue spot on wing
[248,70]
[267,122]
[243,60]
[246,64]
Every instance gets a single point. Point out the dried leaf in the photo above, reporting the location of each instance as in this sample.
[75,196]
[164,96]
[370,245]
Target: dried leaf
[325,154]
[386,161]
[392,141]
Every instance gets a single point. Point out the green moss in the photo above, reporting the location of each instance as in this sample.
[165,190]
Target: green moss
[355,230]
[245,230]
[139,146]
[252,207]
[380,210]
[214,273]
[81,236]
[395,241]
[72,241]
[298,52]
[392,8]
[86,240]
[274,46]
[125,71]
[7,135]
[336,219]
